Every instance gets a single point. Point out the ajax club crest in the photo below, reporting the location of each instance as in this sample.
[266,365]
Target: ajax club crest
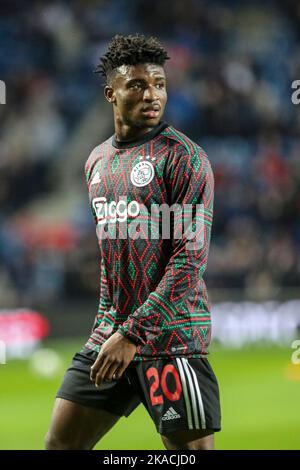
[142,173]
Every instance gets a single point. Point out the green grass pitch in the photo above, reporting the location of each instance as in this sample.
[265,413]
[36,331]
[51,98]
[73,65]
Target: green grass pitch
[260,398]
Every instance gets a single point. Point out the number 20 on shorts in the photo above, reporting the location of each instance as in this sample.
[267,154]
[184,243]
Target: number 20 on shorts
[170,395]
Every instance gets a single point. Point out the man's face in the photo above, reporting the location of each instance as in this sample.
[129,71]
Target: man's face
[139,95]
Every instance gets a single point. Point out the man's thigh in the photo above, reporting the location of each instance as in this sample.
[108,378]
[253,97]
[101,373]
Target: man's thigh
[78,427]
[189,440]
[83,413]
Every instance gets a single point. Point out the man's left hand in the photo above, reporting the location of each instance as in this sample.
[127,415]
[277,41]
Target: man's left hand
[114,357]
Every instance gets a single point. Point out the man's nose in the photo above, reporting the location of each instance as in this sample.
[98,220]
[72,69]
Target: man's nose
[150,93]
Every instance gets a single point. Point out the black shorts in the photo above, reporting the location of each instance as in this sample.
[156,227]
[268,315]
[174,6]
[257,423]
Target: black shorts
[179,393]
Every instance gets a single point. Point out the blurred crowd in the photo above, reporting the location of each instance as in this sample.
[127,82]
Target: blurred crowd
[229,87]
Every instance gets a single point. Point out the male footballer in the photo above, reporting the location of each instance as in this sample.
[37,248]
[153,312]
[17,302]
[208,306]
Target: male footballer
[150,338]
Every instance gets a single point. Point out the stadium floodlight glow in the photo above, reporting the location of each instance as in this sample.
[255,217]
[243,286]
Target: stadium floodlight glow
[2,92]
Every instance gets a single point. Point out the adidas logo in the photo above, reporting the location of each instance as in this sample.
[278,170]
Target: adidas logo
[96,178]
[170,414]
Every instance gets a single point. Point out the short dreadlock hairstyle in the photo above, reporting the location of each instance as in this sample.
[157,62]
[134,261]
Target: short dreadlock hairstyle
[131,50]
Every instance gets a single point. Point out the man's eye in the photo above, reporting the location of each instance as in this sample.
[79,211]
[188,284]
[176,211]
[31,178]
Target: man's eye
[160,85]
[136,86]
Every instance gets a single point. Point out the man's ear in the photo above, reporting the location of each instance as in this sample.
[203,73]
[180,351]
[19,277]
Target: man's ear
[109,94]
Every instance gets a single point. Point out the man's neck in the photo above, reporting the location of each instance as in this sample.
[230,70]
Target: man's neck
[128,134]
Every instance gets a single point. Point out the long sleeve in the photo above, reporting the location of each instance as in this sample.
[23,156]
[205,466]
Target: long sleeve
[104,297]
[190,182]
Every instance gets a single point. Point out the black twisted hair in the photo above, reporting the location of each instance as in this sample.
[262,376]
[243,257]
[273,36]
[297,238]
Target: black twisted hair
[131,50]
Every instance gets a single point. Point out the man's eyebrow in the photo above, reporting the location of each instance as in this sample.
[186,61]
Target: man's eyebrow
[160,77]
[136,79]
[131,80]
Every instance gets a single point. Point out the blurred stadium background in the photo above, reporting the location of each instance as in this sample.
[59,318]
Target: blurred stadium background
[229,86]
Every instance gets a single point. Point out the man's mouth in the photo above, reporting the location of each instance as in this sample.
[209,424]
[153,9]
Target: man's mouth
[151,111]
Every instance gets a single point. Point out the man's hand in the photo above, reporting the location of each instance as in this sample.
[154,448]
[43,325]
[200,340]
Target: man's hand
[114,357]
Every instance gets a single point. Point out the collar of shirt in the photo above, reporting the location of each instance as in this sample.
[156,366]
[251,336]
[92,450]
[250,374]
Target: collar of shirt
[145,138]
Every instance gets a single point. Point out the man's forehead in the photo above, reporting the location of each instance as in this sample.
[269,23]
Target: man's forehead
[128,72]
